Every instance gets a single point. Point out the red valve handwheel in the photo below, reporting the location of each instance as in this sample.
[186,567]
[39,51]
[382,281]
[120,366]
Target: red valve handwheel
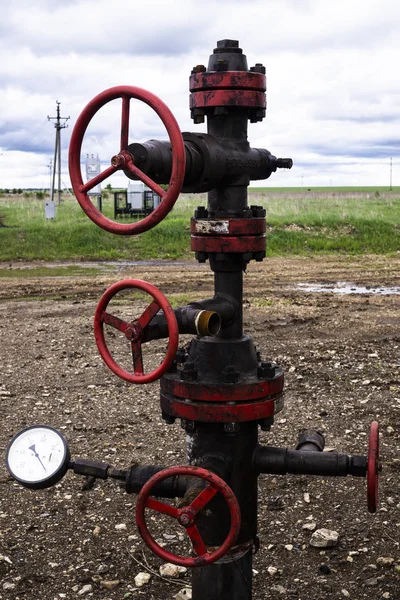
[134,331]
[124,160]
[373,467]
[186,516]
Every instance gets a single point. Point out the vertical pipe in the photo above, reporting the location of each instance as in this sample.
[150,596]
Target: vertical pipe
[230,578]
[230,282]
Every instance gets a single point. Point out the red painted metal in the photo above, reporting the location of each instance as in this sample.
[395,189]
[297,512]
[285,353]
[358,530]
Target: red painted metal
[124,160]
[227,412]
[244,80]
[239,244]
[134,331]
[225,227]
[186,516]
[222,392]
[373,467]
[242,98]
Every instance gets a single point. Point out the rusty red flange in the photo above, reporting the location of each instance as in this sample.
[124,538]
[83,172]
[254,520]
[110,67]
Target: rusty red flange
[208,226]
[222,392]
[244,80]
[186,516]
[226,412]
[242,98]
[239,244]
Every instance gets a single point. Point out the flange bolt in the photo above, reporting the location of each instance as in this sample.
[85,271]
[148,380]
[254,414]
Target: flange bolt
[231,428]
[230,374]
[201,212]
[266,370]
[189,372]
[258,68]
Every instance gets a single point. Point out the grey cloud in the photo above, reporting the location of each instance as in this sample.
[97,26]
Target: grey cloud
[376,150]
[362,119]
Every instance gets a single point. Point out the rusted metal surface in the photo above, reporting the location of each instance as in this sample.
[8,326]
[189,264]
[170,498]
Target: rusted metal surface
[228,226]
[134,331]
[227,412]
[240,244]
[125,159]
[243,80]
[222,392]
[242,98]
[186,515]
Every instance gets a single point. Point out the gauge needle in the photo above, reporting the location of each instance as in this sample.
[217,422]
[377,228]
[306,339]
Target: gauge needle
[37,455]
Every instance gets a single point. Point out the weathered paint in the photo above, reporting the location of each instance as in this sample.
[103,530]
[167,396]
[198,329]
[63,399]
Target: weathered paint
[186,515]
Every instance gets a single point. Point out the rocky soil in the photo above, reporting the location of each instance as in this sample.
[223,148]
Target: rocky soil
[341,356]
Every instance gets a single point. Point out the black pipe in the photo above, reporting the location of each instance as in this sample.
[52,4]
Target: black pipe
[204,318]
[173,487]
[280,461]
[211,160]
[311,440]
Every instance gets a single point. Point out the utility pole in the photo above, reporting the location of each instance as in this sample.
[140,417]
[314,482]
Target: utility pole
[57,150]
[390,173]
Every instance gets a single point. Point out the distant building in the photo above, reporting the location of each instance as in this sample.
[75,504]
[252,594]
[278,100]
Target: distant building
[138,200]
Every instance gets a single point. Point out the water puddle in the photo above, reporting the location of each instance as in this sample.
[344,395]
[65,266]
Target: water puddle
[76,269]
[342,287]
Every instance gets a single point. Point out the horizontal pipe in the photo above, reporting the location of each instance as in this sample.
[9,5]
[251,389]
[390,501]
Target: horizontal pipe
[204,318]
[174,487]
[181,486]
[280,461]
[225,305]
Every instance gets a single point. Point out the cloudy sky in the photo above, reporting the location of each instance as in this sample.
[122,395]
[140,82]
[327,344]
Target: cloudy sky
[333,85]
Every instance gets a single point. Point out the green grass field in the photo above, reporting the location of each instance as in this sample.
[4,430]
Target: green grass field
[302,222]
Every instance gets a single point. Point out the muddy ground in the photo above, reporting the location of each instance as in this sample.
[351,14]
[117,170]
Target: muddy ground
[341,356]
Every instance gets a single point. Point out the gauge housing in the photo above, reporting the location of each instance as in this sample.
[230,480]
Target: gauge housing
[34,435]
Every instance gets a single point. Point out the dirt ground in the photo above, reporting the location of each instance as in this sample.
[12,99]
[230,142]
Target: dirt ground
[341,357]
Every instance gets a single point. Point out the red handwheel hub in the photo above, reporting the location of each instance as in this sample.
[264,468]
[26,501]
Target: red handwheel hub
[186,516]
[134,331]
[373,467]
[124,160]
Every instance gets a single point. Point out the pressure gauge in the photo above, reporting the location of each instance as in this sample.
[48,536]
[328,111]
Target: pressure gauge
[38,457]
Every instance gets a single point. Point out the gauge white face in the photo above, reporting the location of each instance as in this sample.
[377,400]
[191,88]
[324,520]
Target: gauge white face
[37,454]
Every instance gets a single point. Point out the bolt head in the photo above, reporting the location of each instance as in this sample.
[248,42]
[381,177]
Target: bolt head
[169,419]
[185,519]
[231,428]
[230,374]
[266,370]
[266,423]
[198,69]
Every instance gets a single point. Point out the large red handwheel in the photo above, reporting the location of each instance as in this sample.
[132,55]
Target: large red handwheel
[186,516]
[125,160]
[373,467]
[134,331]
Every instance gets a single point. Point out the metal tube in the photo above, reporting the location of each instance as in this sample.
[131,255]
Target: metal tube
[280,461]
[224,580]
[232,576]
[204,318]
[174,487]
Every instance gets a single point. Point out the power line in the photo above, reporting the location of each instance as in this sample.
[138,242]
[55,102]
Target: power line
[33,135]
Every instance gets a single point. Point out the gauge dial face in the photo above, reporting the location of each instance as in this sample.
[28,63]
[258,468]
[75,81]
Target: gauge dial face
[37,457]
